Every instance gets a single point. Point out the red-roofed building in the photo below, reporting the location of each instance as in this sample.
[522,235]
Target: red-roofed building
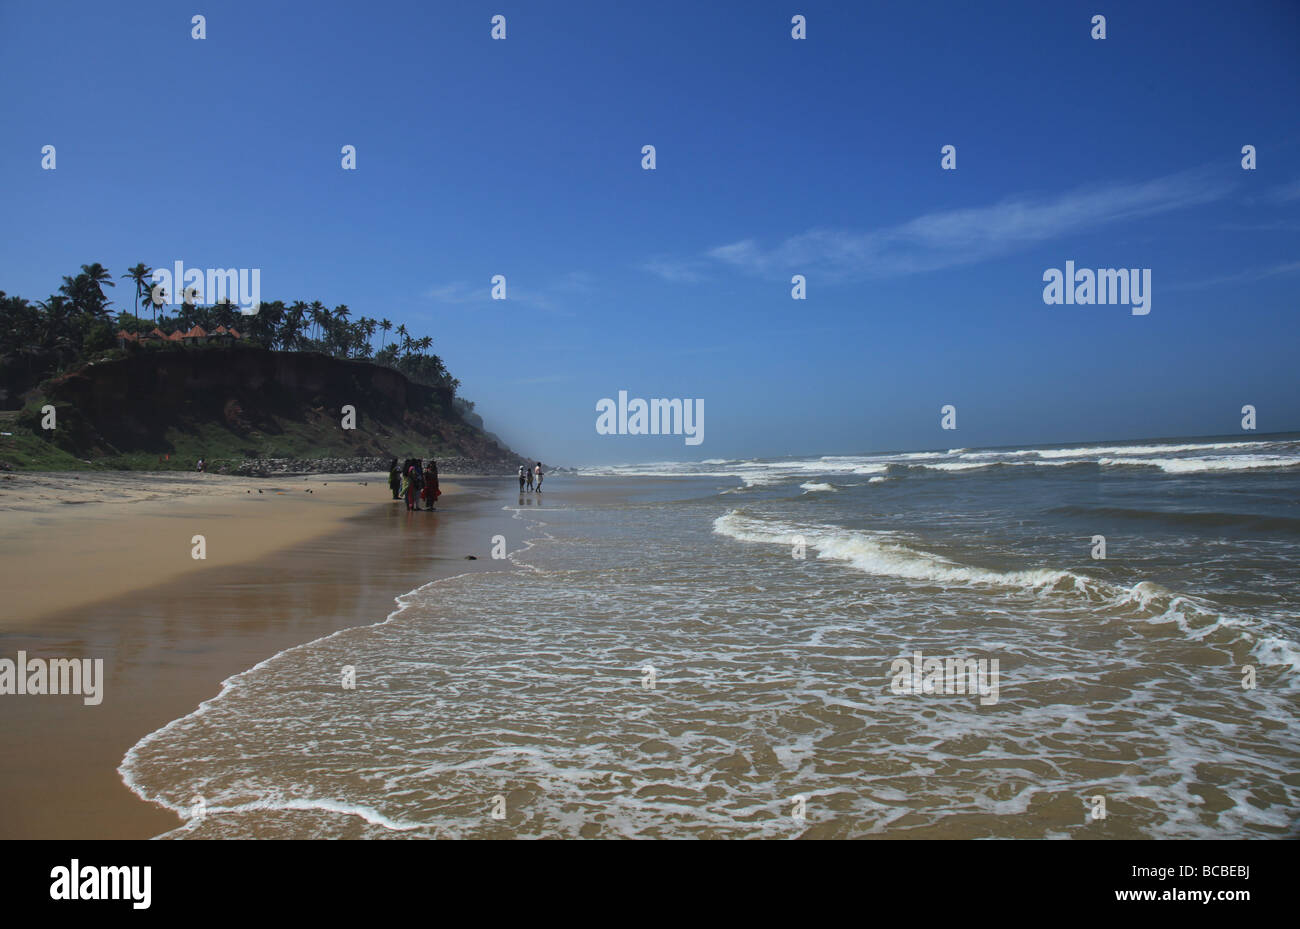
[195,336]
[222,334]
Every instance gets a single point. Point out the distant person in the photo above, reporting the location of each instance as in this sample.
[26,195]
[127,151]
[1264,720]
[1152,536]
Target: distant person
[528,473]
[200,466]
[431,490]
[418,464]
[410,486]
[394,479]
[539,477]
[521,478]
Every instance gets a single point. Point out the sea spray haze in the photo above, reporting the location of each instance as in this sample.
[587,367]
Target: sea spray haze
[670,666]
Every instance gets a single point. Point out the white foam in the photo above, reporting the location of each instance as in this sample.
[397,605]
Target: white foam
[1199,465]
[1092,451]
[757,473]
[877,553]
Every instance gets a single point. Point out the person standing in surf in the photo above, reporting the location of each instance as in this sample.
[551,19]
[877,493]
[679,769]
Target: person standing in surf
[539,477]
[528,474]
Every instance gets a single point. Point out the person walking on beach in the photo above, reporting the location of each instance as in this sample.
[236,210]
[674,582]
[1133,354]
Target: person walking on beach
[528,473]
[431,491]
[539,477]
[521,478]
[394,479]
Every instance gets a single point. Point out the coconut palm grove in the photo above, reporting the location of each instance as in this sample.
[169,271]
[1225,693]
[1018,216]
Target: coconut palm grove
[80,323]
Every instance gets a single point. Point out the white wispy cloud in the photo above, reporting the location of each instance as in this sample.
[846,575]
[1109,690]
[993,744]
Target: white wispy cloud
[1276,225]
[569,285]
[674,271]
[1286,192]
[575,282]
[1254,274]
[460,292]
[951,238]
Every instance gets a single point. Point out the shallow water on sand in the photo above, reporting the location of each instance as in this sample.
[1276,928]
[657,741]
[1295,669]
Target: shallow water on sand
[518,703]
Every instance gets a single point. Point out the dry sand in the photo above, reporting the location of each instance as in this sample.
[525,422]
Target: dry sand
[113,577]
[71,539]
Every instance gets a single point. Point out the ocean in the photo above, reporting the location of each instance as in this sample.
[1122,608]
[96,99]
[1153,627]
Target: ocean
[659,661]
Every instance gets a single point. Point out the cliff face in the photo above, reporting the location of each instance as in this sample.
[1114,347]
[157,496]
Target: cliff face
[243,402]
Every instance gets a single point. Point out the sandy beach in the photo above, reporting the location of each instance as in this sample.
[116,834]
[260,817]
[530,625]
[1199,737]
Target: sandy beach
[101,566]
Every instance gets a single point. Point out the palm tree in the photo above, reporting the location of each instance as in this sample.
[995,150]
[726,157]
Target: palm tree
[291,333]
[56,313]
[425,342]
[341,332]
[387,326]
[97,276]
[264,325]
[139,274]
[318,316]
[368,329]
[85,294]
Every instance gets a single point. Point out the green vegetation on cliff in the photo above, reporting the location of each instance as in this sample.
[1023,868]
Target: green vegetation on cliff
[279,391]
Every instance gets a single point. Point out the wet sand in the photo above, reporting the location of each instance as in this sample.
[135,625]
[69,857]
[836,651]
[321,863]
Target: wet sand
[282,569]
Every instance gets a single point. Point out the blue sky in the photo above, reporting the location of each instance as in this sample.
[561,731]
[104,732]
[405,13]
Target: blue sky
[774,157]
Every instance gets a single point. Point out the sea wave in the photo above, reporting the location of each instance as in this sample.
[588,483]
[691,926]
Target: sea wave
[882,553]
[1170,457]
[885,553]
[1192,519]
[1202,465]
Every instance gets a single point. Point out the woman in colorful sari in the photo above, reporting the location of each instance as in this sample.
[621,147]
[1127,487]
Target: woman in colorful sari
[409,488]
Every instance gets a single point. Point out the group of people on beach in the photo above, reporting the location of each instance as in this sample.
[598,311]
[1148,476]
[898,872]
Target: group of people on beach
[526,475]
[414,482]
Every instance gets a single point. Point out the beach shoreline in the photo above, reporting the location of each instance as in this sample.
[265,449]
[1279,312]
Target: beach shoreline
[70,540]
[98,580]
